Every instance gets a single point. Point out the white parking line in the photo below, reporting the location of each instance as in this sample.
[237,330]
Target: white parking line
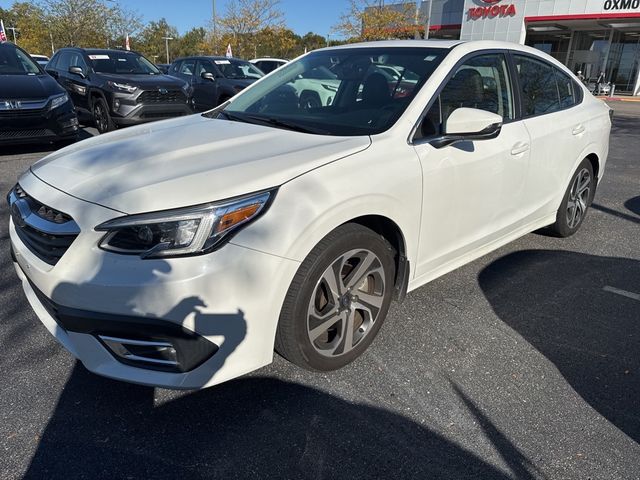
[624,293]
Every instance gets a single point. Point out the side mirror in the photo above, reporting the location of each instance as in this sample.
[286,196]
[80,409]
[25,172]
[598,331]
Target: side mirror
[466,124]
[76,71]
[208,76]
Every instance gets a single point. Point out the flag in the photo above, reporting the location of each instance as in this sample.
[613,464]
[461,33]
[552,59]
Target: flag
[229,53]
[126,43]
[3,35]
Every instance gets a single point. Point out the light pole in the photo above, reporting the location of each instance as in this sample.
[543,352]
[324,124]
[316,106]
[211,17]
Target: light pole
[166,42]
[328,35]
[428,25]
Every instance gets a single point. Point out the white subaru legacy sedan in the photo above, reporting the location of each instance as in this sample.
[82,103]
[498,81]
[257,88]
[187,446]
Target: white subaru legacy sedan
[183,253]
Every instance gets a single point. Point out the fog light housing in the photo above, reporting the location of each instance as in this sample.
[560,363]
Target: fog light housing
[146,351]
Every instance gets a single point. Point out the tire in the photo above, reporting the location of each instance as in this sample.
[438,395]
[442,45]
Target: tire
[309,100]
[312,310]
[101,117]
[576,201]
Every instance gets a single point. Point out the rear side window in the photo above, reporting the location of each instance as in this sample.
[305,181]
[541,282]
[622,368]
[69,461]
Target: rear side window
[544,88]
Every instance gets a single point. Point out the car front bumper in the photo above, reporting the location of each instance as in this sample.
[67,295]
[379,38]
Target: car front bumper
[126,110]
[225,304]
[24,126]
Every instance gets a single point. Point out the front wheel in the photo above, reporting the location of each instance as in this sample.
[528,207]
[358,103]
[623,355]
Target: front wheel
[576,201]
[338,299]
[101,116]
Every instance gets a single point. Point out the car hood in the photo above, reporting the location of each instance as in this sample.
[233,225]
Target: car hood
[145,82]
[187,161]
[28,86]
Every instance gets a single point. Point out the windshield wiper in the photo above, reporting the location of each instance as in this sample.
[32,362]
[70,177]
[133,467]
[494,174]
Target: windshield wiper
[276,122]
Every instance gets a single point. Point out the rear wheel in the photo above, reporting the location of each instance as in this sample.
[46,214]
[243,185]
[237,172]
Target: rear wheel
[338,299]
[576,201]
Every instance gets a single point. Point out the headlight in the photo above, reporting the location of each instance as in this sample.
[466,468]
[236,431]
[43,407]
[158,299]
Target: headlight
[185,231]
[123,87]
[59,100]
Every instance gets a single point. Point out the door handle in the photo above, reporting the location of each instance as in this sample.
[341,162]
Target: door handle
[519,148]
[578,129]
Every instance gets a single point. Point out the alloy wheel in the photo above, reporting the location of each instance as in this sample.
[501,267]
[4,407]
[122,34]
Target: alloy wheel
[346,302]
[578,198]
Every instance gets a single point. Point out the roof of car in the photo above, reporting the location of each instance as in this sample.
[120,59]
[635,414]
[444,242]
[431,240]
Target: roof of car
[269,59]
[210,57]
[401,43]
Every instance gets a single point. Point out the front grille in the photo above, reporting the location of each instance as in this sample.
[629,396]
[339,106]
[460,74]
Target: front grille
[155,96]
[26,133]
[46,232]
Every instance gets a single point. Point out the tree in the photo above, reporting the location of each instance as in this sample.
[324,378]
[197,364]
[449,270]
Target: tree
[122,22]
[78,22]
[151,41]
[367,20]
[313,41]
[30,20]
[194,42]
[242,19]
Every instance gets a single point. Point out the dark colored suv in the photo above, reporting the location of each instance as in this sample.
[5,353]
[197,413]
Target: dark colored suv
[118,87]
[33,107]
[214,80]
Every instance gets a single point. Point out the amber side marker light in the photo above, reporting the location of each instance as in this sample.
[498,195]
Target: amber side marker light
[236,217]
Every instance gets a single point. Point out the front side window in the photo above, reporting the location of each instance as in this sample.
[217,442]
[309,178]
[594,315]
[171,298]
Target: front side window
[481,82]
[14,61]
[350,91]
[538,86]
[122,63]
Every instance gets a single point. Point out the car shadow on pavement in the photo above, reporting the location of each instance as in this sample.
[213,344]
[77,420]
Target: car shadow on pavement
[583,314]
[633,205]
[248,428]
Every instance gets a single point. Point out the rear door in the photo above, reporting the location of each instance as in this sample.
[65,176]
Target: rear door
[554,119]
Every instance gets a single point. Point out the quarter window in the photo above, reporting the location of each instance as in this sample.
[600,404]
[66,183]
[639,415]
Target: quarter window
[566,90]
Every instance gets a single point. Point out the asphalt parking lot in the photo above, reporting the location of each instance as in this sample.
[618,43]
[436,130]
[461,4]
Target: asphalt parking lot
[523,364]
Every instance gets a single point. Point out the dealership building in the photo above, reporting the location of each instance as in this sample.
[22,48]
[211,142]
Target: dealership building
[590,36]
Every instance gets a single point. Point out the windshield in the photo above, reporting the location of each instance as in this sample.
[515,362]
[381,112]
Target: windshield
[238,69]
[14,61]
[122,63]
[351,91]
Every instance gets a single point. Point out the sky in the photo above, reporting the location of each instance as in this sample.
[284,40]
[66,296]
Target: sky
[301,16]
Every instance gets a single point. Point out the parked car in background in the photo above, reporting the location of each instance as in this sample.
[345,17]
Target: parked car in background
[33,107]
[41,60]
[214,80]
[118,88]
[189,249]
[163,67]
[268,64]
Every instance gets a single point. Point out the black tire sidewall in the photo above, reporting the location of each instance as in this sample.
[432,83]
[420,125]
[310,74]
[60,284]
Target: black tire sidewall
[103,105]
[341,241]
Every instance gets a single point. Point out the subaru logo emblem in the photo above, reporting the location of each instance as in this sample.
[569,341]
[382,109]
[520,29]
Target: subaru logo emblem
[163,91]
